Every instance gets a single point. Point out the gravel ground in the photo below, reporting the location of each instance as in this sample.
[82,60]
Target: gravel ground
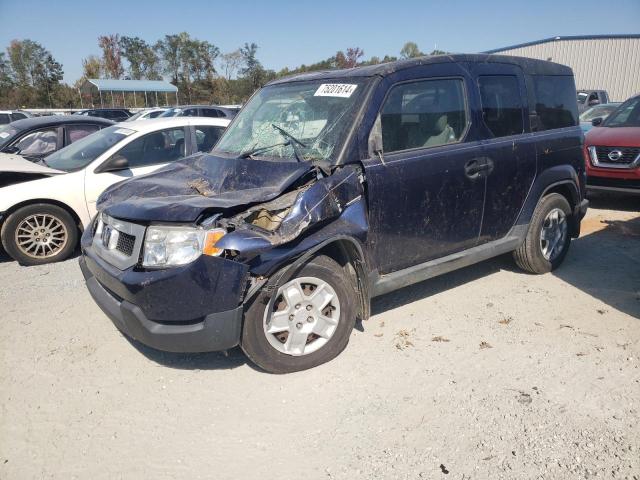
[482,373]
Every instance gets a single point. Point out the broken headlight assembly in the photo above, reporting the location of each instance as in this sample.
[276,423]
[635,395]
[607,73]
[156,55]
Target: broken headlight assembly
[169,246]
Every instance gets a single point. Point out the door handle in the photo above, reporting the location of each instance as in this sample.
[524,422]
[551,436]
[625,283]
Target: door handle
[474,167]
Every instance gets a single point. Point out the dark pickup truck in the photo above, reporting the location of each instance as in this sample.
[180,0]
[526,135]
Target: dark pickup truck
[330,188]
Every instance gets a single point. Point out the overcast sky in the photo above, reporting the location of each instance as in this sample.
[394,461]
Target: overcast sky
[290,33]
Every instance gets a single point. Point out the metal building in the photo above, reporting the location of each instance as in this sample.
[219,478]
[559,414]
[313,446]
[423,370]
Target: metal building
[599,62]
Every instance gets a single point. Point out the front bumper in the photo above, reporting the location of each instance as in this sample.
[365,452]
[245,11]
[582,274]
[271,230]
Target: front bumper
[194,308]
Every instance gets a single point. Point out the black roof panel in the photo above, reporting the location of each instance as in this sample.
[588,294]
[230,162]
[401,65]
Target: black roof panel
[529,65]
[55,120]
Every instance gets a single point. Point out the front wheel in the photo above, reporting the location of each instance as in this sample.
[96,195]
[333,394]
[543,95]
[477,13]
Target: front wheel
[547,241]
[39,233]
[308,322]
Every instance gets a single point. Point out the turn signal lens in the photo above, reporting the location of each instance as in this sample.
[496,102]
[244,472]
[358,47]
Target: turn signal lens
[210,240]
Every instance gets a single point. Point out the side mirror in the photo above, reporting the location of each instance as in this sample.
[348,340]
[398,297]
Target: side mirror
[12,149]
[114,164]
[597,121]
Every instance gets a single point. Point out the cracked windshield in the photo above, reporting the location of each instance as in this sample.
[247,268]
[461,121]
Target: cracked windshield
[303,121]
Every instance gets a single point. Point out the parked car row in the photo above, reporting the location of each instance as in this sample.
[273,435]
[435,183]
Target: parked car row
[8,116]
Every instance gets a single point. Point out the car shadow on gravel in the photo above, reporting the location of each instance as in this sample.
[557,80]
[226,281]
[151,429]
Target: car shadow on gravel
[613,201]
[440,284]
[605,264]
[194,361]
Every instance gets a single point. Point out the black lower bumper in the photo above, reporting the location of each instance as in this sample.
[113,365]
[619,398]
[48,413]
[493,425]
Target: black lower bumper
[216,331]
[614,185]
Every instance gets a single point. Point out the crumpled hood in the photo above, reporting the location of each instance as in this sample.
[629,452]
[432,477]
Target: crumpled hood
[181,191]
[17,164]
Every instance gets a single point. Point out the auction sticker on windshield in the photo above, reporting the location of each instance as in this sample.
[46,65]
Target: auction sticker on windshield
[343,90]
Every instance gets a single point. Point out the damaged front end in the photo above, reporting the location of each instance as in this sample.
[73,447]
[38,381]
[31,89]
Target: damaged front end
[285,219]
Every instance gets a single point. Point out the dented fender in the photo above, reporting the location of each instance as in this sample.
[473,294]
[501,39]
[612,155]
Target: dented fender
[286,218]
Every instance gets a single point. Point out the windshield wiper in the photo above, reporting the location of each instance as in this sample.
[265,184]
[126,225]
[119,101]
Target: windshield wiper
[253,151]
[288,135]
[293,141]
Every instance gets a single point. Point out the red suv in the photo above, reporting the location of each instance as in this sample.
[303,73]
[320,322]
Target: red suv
[613,150]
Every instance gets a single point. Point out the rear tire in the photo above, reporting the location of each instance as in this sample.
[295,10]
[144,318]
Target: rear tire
[39,233]
[547,241]
[310,321]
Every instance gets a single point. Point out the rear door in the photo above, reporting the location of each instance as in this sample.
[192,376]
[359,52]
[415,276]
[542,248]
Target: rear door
[509,148]
[425,200]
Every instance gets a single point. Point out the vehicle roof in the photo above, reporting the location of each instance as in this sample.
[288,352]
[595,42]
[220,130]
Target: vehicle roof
[529,65]
[105,109]
[197,106]
[54,120]
[167,122]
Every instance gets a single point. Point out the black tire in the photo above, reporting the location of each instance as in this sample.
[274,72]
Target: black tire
[529,256]
[8,234]
[254,340]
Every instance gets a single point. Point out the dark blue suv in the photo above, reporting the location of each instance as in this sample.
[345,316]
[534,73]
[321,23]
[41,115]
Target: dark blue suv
[330,188]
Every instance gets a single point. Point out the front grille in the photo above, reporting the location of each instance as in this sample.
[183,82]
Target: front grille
[119,242]
[126,243]
[621,155]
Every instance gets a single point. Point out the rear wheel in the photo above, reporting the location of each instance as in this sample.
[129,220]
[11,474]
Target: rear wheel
[308,322]
[39,233]
[547,241]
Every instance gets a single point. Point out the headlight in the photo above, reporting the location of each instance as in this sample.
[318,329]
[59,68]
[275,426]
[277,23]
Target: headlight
[172,246]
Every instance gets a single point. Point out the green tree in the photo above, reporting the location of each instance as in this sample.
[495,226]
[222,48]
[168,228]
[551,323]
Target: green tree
[33,72]
[252,71]
[410,50]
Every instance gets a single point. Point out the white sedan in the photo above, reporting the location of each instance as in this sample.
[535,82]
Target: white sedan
[44,206]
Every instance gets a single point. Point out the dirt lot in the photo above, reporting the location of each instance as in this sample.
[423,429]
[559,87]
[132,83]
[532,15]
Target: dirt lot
[483,373]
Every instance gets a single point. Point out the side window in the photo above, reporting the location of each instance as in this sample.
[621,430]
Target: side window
[154,148]
[38,143]
[207,136]
[555,101]
[190,112]
[210,112]
[423,114]
[155,114]
[17,116]
[76,132]
[5,118]
[501,104]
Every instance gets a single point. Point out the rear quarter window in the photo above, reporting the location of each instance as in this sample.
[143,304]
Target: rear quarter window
[555,101]
[502,108]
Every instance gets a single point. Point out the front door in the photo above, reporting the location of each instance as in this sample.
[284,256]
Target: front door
[426,191]
[144,155]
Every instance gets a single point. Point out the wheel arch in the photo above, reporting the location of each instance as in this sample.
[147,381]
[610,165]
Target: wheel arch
[561,179]
[345,250]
